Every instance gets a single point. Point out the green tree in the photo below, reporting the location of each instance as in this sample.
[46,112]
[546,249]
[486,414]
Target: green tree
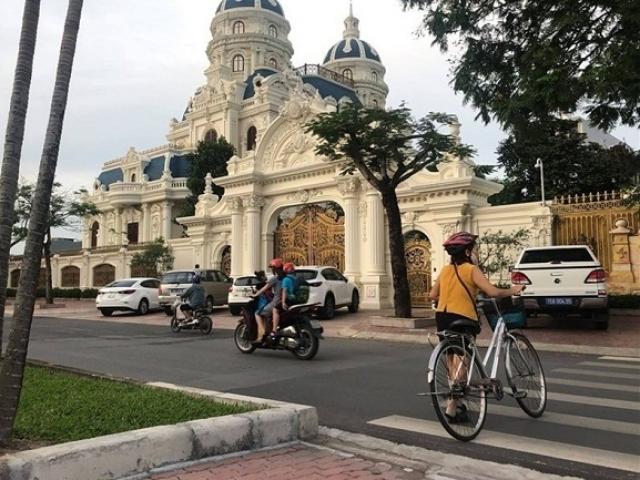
[497,252]
[572,165]
[12,368]
[386,148]
[154,260]
[13,141]
[517,60]
[210,157]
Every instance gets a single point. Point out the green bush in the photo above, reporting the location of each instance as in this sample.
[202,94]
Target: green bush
[90,293]
[624,301]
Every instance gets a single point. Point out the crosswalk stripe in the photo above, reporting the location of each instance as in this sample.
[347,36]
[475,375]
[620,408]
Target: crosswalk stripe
[592,373]
[596,401]
[621,359]
[595,385]
[591,456]
[610,365]
[626,428]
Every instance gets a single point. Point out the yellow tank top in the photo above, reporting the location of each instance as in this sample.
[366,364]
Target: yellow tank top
[453,297]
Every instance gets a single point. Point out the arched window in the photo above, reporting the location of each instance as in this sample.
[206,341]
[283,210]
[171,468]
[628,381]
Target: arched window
[348,73]
[273,31]
[273,63]
[238,28]
[95,228]
[133,178]
[211,136]
[252,135]
[238,63]
[374,103]
[70,277]
[374,76]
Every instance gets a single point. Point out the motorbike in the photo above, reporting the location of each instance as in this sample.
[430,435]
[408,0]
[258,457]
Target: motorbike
[201,321]
[298,334]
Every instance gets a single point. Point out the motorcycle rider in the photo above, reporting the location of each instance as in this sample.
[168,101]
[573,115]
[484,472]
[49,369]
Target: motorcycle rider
[194,297]
[273,285]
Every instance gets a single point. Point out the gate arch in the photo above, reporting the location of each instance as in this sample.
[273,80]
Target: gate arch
[417,249]
[225,261]
[311,235]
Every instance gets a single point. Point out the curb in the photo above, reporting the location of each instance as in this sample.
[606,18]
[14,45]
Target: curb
[132,453]
[546,347]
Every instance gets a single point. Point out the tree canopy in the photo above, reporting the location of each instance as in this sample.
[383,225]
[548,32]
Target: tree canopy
[572,165]
[210,157]
[519,60]
[155,259]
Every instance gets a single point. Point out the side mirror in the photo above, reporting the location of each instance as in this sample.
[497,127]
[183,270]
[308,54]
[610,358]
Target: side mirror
[346,280]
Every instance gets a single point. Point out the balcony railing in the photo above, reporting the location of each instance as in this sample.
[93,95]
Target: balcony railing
[314,69]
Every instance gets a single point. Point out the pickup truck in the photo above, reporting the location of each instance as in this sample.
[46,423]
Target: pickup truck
[563,280]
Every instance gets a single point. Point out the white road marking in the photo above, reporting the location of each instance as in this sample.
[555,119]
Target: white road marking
[610,365]
[621,359]
[595,385]
[594,373]
[595,401]
[590,456]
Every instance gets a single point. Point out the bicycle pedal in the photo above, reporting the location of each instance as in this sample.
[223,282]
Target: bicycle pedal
[518,395]
[423,394]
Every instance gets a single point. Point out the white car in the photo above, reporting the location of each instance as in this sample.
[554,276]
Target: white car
[330,289]
[241,292]
[129,295]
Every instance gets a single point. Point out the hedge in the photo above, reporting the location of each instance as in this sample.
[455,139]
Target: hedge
[624,301]
[76,293]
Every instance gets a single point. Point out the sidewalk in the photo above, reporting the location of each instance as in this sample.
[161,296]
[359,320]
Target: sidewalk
[572,336]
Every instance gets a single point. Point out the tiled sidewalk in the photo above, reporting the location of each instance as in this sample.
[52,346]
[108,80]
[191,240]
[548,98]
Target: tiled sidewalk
[297,462]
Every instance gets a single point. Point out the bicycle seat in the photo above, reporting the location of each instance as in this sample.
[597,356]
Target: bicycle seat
[468,327]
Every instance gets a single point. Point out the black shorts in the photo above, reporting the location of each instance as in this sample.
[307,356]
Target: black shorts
[445,319]
[186,308]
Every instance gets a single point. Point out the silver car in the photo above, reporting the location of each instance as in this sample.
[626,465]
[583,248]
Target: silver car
[173,284]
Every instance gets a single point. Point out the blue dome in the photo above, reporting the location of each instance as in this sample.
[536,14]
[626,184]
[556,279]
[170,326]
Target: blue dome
[269,5]
[352,48]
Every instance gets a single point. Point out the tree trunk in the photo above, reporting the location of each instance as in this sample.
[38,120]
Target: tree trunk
[46,250]
[402,293]
[12,370]
[13,141]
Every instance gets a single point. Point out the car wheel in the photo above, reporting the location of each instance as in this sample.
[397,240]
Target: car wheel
[329,309]
[355,302]
[209,304]
[106,312]
[168,311]
[143,308]
[235,311]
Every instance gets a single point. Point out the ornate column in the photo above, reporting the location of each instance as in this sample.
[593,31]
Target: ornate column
[375,233]
[350,190]
[235,205]
[166,220]
[103,238]
[621,278]
[146,223]
[253,207]
[117,226]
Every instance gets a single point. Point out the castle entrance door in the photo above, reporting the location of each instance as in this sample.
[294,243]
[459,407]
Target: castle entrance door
[417,249]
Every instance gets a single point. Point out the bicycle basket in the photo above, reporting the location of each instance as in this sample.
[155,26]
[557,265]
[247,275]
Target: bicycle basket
[515,319]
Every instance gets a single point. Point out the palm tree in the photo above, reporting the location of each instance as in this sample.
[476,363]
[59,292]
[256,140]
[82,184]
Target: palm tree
[13,141]
[12,369]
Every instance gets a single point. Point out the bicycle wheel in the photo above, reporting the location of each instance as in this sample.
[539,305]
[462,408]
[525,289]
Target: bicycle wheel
[525,374]
[449,384]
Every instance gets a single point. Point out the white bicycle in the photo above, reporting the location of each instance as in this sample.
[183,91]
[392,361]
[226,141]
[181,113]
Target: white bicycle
[458,377]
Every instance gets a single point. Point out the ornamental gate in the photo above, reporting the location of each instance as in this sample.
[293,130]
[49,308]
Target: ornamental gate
[588,219]
[311,235]
[417,249]
[225,262]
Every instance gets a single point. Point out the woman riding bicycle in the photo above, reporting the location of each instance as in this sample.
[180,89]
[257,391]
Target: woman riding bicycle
[456,290]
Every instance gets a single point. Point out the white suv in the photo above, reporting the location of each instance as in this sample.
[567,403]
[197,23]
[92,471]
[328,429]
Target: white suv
[563,280]
[329,289]
[241,293]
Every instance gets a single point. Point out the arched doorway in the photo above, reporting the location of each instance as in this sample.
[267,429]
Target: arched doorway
[103,275]
[15,278]
[417,249]
[225,261]
[311,235]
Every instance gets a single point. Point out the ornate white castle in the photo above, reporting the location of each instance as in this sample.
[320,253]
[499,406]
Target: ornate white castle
[281,198]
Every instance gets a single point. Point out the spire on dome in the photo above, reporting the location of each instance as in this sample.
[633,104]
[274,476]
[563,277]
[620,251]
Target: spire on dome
[352,24]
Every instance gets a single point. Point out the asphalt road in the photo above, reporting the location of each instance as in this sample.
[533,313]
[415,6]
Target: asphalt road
[593,414]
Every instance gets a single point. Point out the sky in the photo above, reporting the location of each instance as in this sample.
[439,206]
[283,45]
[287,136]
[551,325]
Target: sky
[138,62]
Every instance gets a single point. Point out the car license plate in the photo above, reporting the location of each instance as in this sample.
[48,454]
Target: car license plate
[176,292]
[315,324]
[559,301]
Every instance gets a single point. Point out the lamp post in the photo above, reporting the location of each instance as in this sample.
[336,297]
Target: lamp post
[540,165]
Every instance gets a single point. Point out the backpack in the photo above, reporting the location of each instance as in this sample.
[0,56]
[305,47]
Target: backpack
[300,290]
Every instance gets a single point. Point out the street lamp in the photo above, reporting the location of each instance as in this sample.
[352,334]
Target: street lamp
[540,165]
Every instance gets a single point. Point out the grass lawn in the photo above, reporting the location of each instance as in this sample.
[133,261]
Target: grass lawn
[57,407]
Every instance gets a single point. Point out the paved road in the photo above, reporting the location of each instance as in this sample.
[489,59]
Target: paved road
[591,428]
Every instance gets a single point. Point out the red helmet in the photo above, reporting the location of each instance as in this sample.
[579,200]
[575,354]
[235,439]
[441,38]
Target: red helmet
[276,263]
[289,267]
[460,239]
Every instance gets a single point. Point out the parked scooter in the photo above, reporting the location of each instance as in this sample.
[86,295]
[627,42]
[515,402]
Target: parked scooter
[298,334]
[200,321]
